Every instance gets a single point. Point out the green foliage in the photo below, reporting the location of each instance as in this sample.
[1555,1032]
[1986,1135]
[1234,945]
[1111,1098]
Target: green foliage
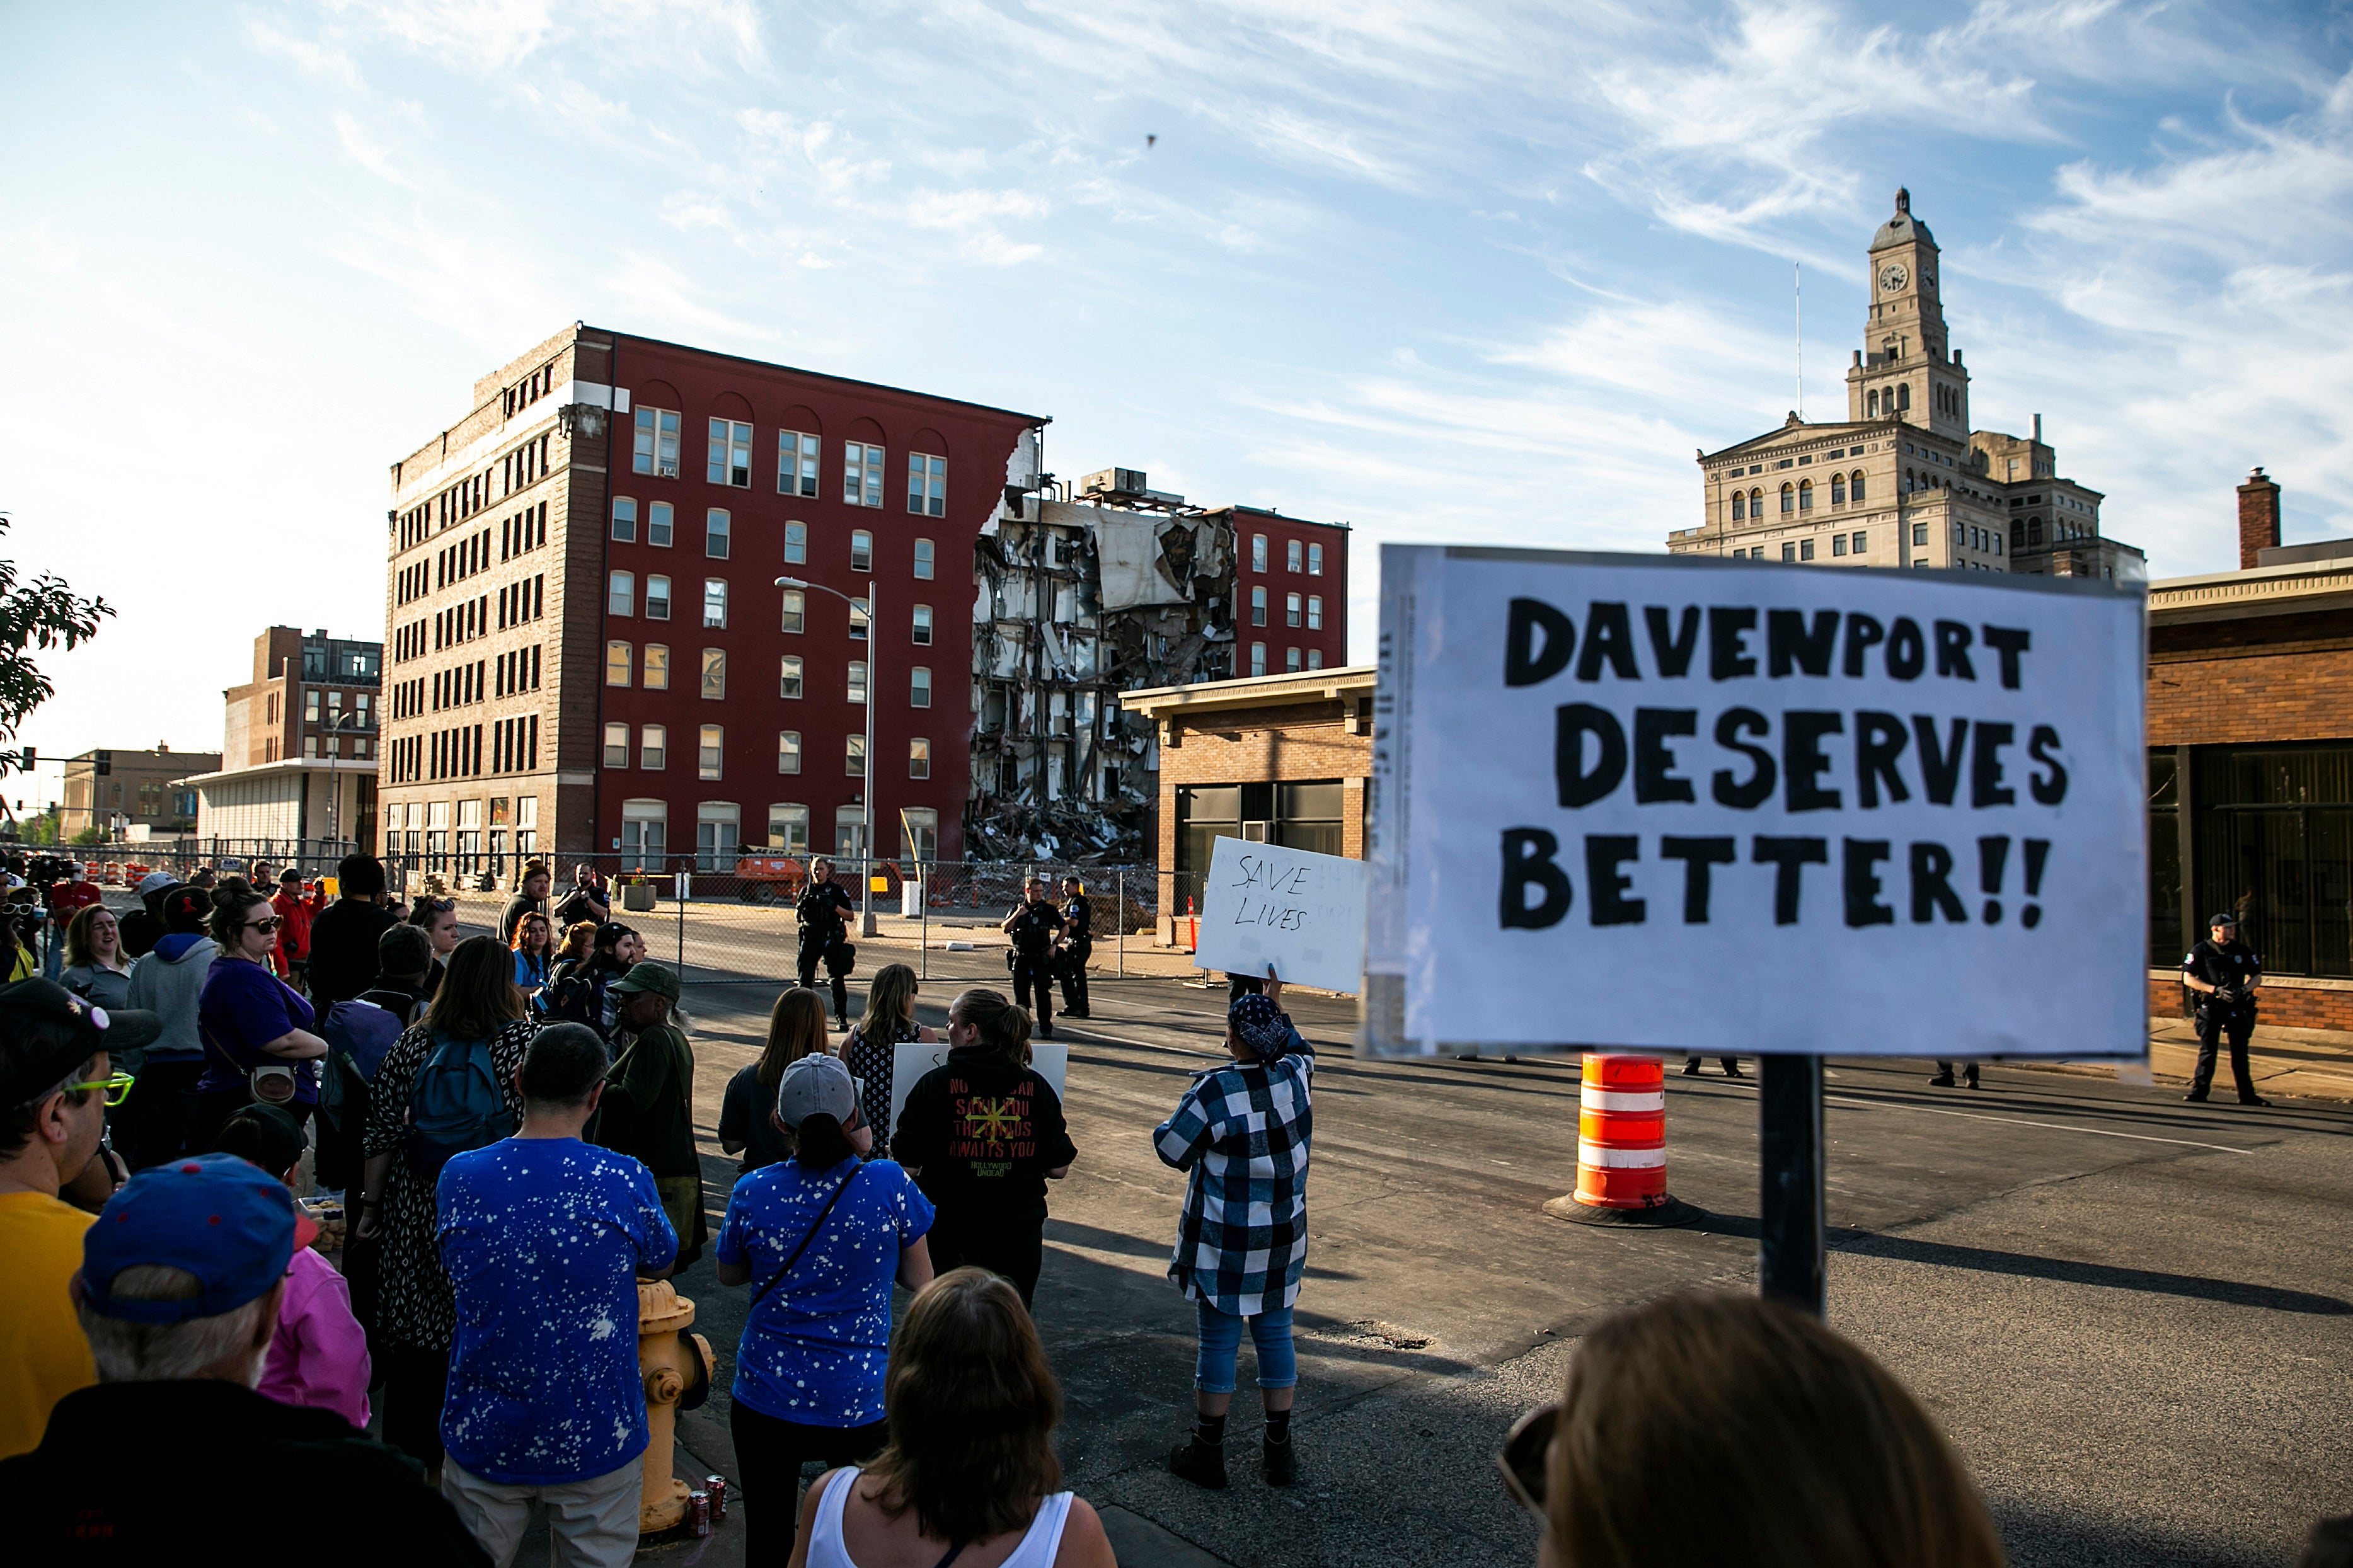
[90,836]
[38,615]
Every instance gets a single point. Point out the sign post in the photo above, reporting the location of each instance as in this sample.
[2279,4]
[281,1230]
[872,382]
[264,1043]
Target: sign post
[1789,1214]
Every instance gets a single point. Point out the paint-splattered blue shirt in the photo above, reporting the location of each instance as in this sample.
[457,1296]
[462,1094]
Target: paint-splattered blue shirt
[543,1238]
[815,1349]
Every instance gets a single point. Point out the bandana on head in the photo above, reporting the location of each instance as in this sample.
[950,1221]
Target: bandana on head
[1261,1025]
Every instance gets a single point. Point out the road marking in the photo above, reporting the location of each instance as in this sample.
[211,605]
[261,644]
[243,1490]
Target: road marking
[2030,1121]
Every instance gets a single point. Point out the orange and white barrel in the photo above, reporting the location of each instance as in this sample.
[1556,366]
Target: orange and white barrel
[1621,1133]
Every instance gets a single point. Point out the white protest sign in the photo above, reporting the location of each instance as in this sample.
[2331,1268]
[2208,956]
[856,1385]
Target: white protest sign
[1661,804]
[908,1063]
[1300,911]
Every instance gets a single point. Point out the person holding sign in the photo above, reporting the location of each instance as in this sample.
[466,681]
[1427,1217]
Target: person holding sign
[1241,1132]
[1034,925]
[2226,972]
[983,1135]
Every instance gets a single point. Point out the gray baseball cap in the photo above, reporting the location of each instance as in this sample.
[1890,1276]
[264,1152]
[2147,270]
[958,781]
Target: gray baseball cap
[817,1086]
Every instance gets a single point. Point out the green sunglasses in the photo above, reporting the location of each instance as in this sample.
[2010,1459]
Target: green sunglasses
[116,1084]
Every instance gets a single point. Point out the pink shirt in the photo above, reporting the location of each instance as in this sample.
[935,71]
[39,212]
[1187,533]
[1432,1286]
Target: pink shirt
[319,1358]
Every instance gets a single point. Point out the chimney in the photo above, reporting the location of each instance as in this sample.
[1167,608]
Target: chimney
[2259,519]
[2038,429]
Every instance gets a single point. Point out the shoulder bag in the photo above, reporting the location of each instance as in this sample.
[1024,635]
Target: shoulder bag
[823,1215]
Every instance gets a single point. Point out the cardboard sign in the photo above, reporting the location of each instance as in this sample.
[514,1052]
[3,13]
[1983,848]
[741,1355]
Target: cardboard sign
[1652,803]
[910,1062]
[1300,911]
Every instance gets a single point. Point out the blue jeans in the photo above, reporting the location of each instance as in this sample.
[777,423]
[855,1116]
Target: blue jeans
[1221,1338]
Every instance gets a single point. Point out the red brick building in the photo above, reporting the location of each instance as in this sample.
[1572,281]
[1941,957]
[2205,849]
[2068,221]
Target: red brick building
[587,651]
[1290,592]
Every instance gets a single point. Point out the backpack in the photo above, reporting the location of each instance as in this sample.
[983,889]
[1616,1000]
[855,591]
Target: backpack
[571,995]
[357,1034]
[454,1105]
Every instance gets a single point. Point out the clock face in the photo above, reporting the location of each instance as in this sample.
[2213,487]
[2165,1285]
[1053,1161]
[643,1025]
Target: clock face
[1892,277]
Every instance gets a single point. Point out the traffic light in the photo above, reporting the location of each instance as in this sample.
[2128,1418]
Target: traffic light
[27,764]
[105,762]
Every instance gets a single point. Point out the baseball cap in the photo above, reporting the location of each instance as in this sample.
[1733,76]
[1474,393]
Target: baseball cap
[656,977]
[33,1060]
[2225,919]
[612,931]
[816,1086]
[229,1224]
[1260,1024]
[156,881]
[186,910]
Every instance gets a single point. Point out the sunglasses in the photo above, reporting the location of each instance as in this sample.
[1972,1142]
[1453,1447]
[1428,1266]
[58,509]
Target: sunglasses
[1521,1456]
[266,922]
[117,1085]
[439,906]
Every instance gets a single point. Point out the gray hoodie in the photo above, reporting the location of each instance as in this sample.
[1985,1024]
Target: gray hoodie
[170,982]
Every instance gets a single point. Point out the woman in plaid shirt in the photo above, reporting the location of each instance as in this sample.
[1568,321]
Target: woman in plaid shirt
[1241,1242]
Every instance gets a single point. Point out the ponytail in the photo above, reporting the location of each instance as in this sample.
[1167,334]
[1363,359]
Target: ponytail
[1004,1028]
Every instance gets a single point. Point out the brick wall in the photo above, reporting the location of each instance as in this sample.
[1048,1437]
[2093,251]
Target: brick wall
[2285,1004]
[2273,678]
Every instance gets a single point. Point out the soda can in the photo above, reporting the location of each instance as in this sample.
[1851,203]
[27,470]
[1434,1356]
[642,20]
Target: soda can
[698,1513]
[717,1487]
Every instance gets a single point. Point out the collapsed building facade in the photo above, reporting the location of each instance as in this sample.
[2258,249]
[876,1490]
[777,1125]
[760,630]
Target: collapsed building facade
[1117,586]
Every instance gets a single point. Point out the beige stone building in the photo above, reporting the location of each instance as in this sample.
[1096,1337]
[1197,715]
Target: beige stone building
[1903,481]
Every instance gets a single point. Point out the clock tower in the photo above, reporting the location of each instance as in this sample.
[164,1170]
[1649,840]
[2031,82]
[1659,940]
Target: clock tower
[1907,370]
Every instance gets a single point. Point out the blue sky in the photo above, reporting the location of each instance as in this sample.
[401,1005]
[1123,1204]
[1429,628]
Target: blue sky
[1486,272]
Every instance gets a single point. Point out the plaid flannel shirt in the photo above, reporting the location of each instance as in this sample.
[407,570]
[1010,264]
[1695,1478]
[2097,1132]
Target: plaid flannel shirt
[1241,1131]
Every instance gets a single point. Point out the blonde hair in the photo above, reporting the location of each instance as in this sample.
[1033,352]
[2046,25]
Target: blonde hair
[796,1029]
[1004,1028]
[890,1001]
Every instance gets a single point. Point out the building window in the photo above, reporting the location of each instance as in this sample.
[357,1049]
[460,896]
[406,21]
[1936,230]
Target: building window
[714,602]
[1258,606]
[616,664]
[714,674]
[796,460]
[796,544]
[620,593]
[658,519]
[1789,498]
[731,454]
[1805,495]
[1739,505]
[924,554]
[1788,553]
[710,751]
[920,626]
[716,827]
[927,484]
[715,535]
[1315,612]
[861,474]
[1292,612]
[1257,658]
[653,746]
[1315,561]
[862,550]
[788,828]
[919,687]
[1858,544]
[789,751]
[1919,535]
[789,682]
[625,520]
[795,611]
[1294,554]
[1837,544]
[657,447]
[1995,541]
[853,756]
[857,680]
[1314,659]
[1291,661]
[1806,550]
[1257,552]
[657,598]
[657,666]
[1838,489]
[918,758]
[858,620]
[616,745]
[644,827]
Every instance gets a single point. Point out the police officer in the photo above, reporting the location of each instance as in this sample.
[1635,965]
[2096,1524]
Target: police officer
[1077,943]
[1034,925]
[821,909]
[2224,971]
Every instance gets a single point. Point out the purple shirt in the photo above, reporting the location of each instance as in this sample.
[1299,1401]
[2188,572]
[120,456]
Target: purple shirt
[243,1008]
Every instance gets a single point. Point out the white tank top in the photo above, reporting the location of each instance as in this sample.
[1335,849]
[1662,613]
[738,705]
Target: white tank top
[1037,1548]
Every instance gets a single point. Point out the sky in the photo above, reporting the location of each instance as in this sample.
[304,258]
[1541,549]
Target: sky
[1487,272]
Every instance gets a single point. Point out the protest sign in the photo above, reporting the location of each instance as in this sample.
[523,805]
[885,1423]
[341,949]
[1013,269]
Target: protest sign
[910,1062]
[1652,803]
[1300,911]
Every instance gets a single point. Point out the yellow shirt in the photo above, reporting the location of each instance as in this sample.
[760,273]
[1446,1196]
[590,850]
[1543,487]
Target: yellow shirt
[43,1355]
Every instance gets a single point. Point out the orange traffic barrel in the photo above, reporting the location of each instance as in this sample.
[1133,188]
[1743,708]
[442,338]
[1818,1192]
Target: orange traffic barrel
[1621,1147]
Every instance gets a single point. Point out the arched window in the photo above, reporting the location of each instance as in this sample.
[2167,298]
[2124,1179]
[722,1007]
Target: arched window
[1911,482]
[1756,504]
[1838,489]
[2017,535]
[1789,498]
[2033,532]
[1739,505]
[1854,484]
[1805,495]
[1904,398]
[1871,401]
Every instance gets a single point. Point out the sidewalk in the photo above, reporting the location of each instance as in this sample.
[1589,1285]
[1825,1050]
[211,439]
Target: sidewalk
[2313,1064]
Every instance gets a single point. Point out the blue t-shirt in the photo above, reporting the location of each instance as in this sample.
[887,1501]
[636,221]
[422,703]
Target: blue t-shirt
[543,1238]
[242,1009]
[814,1350]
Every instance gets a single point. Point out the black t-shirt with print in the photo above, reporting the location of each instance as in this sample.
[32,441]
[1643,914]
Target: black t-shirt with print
[983,1135]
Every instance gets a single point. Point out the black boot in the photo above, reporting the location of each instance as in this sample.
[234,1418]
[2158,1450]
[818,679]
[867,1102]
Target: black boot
[1969,1076]
[1278,1460]
[1203,1464]
[1691,1066]
[1944,1078]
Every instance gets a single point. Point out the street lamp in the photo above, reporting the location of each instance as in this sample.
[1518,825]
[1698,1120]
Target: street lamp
[345,720]
[873,687]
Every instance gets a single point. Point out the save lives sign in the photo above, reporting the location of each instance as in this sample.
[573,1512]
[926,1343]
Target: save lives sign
[1664,803]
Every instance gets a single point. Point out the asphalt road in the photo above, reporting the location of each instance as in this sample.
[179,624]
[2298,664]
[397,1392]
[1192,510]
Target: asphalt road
[2134,1316]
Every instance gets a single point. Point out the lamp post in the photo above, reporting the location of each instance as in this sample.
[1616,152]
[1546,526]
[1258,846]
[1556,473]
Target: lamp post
[873,685]
[341,722]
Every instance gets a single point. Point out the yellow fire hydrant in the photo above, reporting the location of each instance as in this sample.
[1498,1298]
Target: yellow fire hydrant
[667,1359]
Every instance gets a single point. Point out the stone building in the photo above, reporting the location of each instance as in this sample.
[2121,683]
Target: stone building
[297,770]
[139,795]
[1903,481]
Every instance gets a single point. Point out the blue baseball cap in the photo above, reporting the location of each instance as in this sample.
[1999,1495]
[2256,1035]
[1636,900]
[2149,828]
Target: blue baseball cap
[219,1218]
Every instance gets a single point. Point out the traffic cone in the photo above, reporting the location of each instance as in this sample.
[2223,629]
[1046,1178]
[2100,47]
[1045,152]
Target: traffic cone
[1622,1148]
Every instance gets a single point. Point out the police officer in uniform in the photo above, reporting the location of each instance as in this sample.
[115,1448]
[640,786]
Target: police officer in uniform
[1078,942]
[2224,971]
[821,909]
[1034,925]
